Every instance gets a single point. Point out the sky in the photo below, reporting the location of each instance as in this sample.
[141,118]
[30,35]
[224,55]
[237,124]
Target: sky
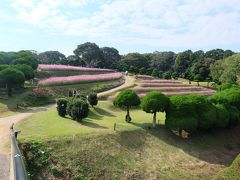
[128,25]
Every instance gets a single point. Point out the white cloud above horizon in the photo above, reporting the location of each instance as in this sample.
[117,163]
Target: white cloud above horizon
[153,23]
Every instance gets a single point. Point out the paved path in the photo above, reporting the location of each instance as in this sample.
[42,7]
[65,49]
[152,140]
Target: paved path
[5,124]
[129,82]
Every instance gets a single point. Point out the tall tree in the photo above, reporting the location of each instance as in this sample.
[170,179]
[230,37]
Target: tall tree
[91,54]
[52,57]
[111,57]
[135,59]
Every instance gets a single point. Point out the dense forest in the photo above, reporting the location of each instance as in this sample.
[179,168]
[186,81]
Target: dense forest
[218,65]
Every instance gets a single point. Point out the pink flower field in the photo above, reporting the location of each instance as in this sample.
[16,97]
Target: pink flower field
[160,81]
[79,79]
[55,67]
[167,88]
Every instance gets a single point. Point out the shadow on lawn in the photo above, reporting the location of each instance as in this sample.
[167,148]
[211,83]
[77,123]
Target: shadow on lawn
[92,125]
[215,147]
[103,112]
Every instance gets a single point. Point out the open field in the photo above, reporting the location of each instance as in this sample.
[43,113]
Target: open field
[92,149]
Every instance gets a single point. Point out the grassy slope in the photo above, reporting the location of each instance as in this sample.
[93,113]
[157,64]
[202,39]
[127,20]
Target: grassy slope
[93,149]
[232,172]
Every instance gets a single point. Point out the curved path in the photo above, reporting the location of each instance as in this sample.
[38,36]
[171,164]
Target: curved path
[6,122]
[129,82]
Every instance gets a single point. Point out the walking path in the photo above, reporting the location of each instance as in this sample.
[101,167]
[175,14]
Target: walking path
[5,124]
[129,82]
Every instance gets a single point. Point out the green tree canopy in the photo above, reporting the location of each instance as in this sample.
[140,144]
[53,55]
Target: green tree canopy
[154,102]
[127,98]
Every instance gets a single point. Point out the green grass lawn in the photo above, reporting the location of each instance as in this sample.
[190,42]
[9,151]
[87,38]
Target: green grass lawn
[60,148]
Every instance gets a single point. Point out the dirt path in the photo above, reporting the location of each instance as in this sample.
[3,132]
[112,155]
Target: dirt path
[5,124]
[129,82]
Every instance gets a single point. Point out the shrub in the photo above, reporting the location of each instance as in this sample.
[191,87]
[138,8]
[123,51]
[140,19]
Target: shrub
[234,118]
[93,99]
[167,75]
[205,111]
[223,116]
[26,70]
[77,109]
[62,107]
[154,102]
[127,98]
[181,114]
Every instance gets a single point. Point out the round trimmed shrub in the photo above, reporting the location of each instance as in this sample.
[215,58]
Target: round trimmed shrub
[77,109]
[62,107]
[93,99]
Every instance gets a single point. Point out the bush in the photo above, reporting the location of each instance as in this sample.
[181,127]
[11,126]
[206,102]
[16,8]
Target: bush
[223,116]
[205,111]
[181,114]
[167,75]
[26,70]
[77,109]
[93,99]
[234,118]
[62,107]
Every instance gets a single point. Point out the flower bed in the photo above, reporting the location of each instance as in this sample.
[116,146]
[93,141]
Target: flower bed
[167,88]
[79,79]
[55,67]
[144,77]
[164,85]
[160,81]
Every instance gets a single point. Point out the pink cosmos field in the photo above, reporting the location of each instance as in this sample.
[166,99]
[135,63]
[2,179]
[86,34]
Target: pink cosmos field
[55,67]
[167,88]
[160,81]
[79,79]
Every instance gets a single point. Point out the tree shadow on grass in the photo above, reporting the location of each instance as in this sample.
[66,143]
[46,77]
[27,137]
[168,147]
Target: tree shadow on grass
[215,147]
[103,112]
[92,125]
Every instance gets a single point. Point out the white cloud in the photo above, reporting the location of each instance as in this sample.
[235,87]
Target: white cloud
[153,22]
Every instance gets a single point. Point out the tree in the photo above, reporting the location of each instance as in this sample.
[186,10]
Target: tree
[62,107]
[154,73]
[163,61]
[134,59]
[198,78]
[181,114]
[183,62]
[74,61]
[215,54]
[52,57]
[142,70]
[31,62]
[77,109]
[111,57]
[154,102]
[91,54]
[12,77]
[93,99]
[26,70]
[167,75]
[127,98]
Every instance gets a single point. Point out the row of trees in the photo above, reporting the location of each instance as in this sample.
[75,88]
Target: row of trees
[15,68]
[187,112]
[186,64]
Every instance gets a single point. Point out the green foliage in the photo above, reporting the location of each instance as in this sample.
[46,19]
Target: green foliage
[223,116]
[224,86]
[175,75]
[134,59]
[167,75]
[26,69]
[142,70]
[77,109]
[154,102]
[62,107]
[31,62]
[36,156]
[3,66]
[93,99]
[91,54]
[234,116]
[52,57]
[127,98]
[111,57]
[163,61]
[198,78]
[154,73]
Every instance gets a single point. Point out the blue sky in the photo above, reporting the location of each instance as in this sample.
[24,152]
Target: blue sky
[128,25]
